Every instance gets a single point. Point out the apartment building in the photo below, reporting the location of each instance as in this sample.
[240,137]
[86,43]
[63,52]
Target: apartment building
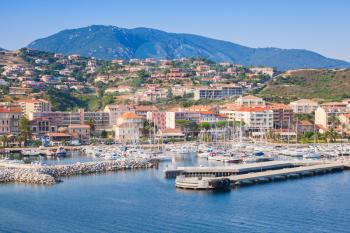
[80,132]
[128,128]
[9,120]
[254,118]
[116,111]
[224,91]
[100,119]
[30,106]
[304,106]
[283,116]
[326,114]
[250,101]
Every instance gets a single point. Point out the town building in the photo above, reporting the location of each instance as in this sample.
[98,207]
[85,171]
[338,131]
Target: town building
[170,135]
[40,126]
[116,111]
[255,119]
[100,120]
[283,116]
[128,128]
[305,126]
[9,120]
[225,91]
[30,106]
[250,101]
[304,106]
[326,114]
[80,132]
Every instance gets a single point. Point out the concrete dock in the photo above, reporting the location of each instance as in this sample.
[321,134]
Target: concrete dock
[228,170]
[190,182]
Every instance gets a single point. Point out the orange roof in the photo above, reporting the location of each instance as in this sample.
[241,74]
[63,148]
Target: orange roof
[279,106]
[346,115]
[252,109]
[250,97]
[11,110]
[130,115]
[58,135]
[304,122]
[207,113]
[78,126]
[167,130]
[221,115]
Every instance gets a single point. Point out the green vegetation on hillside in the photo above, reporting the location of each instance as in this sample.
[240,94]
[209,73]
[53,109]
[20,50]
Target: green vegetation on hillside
[330,85]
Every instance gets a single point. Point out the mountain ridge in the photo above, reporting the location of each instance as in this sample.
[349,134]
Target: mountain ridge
[111,42]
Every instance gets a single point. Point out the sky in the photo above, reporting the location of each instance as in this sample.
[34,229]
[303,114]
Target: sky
[318,25]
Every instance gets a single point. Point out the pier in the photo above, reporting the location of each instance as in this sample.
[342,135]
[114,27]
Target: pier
[203,183]
[228,170]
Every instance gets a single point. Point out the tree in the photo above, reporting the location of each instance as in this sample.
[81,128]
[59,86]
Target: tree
[91,123]
[331,135]
[170,94]
[4,140]
[24,129]
[104,134]
[204,125]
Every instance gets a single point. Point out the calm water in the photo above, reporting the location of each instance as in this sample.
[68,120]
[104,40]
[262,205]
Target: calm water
[143,201]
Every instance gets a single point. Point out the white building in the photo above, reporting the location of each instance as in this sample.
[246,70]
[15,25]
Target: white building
[304,106]
[250,101]
[257,118]
[262,70]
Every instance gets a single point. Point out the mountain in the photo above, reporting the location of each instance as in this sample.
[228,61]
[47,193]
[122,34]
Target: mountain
[110,42]
[3,50]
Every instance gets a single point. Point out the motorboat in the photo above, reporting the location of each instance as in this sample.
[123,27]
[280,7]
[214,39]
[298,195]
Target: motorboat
[60,152]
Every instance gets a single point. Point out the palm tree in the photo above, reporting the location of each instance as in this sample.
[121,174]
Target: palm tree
[4,139]
[24,130]
[91,123]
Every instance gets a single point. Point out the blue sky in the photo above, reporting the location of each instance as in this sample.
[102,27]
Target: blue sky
[318,25]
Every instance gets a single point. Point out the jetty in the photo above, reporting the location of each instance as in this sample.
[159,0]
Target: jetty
[44,174]
[231,181]
[228,170]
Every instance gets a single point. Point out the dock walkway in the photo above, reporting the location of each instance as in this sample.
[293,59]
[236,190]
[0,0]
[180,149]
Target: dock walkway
[190,182]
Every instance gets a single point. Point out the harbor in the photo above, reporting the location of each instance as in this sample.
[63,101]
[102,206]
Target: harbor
[135,192]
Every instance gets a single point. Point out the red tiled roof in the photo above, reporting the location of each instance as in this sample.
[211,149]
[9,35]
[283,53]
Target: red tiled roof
[207,113]
[252,109]
[130,115]
[304,122]
[11,110]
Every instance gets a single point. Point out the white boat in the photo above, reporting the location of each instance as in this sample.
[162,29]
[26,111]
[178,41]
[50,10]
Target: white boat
[30,152]
[312,155]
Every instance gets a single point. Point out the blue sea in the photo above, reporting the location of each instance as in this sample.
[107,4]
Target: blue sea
[143,201]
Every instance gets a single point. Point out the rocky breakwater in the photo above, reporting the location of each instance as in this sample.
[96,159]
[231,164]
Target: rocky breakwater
[25,176]
[49,174]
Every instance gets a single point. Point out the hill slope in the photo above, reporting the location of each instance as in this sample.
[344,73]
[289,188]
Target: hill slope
[110,42]
[324,84]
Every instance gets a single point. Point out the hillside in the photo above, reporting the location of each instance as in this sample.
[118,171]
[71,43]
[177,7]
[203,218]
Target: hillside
[324,84]
[110,42]
[11,58]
